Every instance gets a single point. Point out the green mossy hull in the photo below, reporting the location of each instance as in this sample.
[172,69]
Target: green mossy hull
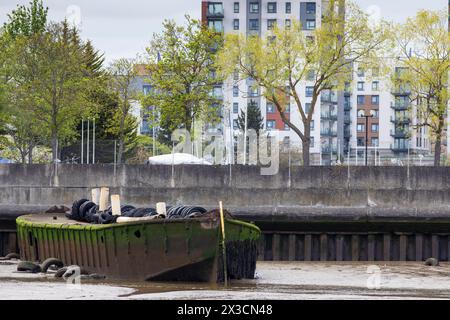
[186,250]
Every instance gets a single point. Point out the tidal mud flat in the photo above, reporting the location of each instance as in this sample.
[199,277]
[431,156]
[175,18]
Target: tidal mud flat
[275,280]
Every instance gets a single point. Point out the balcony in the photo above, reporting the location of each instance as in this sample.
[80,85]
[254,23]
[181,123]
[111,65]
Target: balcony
[401,91]
[215,11]
[330,116]
[400,120]
[399,134]
[330,97]
[400,106]
[328,132]
[399,148]
[329,149]
[347,119]
[347,133]
[347,106]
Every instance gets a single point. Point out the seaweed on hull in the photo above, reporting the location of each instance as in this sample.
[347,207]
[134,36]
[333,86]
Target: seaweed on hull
[84,210]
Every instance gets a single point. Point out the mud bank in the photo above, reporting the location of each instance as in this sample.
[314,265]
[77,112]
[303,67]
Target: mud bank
[302,281]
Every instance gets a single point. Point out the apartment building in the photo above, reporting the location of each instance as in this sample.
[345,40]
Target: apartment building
[380,115]
[368,105]
[258,17]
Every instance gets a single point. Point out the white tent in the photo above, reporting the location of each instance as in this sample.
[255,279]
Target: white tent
[177,159]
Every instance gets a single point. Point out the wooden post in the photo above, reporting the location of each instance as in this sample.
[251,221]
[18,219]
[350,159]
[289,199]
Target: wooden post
[115,204]
[95,195]
[161,208]
[224,249]
[104,195]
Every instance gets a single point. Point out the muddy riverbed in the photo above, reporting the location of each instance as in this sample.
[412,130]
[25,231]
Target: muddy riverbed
[275,280]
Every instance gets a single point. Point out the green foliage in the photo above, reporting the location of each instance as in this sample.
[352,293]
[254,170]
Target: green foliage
[255,120]
[144,150]
[424,44]
[181,64]
[27,21]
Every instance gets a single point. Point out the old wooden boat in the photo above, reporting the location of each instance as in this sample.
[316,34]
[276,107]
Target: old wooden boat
[160,250]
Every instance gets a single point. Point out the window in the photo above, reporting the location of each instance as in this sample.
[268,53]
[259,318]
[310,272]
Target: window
[288,7]
[270,108]
[376,113]
[216,25]
[360,143]
[235,91]
[361,100]
[235,124]
[146,89]
[286,127]
[360,86]
[307,107]
[361,128]
[360,72]
[236,75]
[288,108]
[271,7]
[236,7]
[253,92]
[310,24]
[287,23]
[236,24]
[215,8]
[375,72]
[270,125]
[310,8]
[375,86]
[311,125]
[271,24]
[376,100]
[217,92]
[235,107]
[375,127]
[254,24]
[254,7]
[311,142]
[375,142]
[309,91]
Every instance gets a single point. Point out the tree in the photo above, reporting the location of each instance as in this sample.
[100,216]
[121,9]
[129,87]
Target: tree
[53,77]
[255,119]
[122,73]
[282,63]
[424,45]
[24,24]
[181,64]
[27,21]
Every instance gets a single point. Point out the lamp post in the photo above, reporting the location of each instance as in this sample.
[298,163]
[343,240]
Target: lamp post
[367,116]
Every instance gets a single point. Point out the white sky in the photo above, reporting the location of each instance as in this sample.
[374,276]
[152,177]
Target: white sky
[123,28]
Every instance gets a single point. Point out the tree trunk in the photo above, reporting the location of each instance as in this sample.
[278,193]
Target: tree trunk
[30,154]
[437,152]
[306,160]
[121,139]
[438,145]
[54,147]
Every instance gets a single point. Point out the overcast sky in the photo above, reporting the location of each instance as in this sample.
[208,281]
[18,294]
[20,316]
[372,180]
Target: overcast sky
[123,28]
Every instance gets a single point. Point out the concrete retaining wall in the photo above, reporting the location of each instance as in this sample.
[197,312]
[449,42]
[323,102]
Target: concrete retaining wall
[242,188]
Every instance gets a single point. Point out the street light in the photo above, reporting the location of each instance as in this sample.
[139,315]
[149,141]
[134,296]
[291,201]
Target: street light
[363,115]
